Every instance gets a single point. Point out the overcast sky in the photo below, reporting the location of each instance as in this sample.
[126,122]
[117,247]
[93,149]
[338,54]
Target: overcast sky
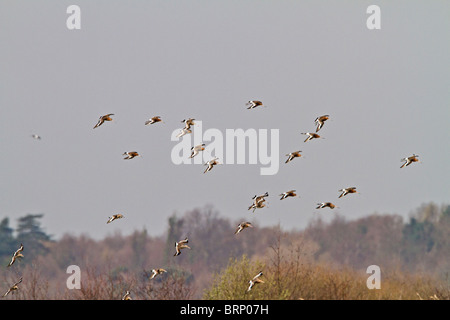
[387,93]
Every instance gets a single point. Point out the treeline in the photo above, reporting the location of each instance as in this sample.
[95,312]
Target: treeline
[421,245]
[324,261]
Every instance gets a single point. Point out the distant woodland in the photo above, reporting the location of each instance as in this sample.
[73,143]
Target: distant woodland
[322,261]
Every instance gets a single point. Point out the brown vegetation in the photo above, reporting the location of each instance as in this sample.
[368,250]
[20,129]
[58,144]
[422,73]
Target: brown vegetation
[324,261]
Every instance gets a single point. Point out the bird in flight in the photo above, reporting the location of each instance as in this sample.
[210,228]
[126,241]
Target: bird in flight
[320,121]
[195,150]
[127,296]
[35,136]
[293,155]
[326,204]
[409,160]
[242,226]
[257,205]
[156,272]
[114,217]
[183,132]
[258,201]
[188,123]
[290,193]
[17,254]
[130,155]
[102,119]
[13,288]
[254,103]
[181,245]
[256,279]
[346,191]
[311,135]
[153,120]
[211,164]
[260,197]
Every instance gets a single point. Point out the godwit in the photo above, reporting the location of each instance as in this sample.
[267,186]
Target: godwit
[253,104]
[17,254]
[183,132]
[106,117]
[127,296]
[188,123]
[14,287]
[195,150]
[346,191]
[181,245]
[255,280]
[114,217]
[153,120]
[311,135]
[320,121]
[258,201]
[261,197]
[290,193]
[293,155]
[130,155]
[325,204]
[211,164]
[409,160]
[242,226]
[156,272]
[257,205]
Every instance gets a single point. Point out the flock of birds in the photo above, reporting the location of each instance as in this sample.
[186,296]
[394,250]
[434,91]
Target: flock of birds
[258,200]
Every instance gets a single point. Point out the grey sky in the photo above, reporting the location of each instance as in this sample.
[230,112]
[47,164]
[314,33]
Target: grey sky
[387,92]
